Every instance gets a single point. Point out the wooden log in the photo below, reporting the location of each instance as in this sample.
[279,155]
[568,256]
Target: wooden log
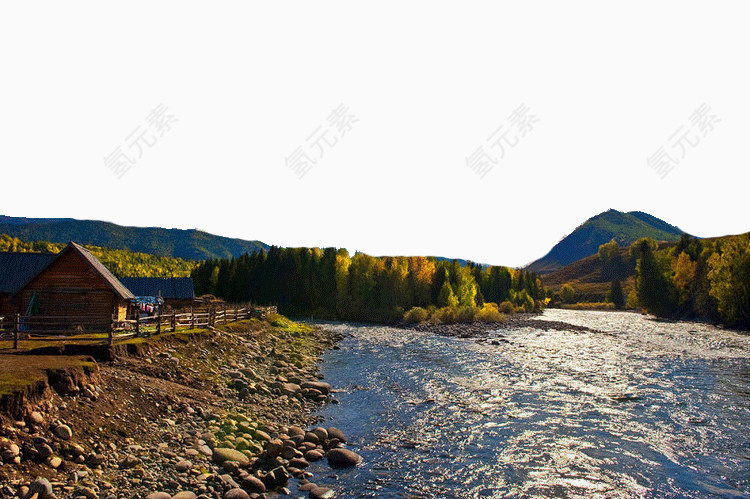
[16,327]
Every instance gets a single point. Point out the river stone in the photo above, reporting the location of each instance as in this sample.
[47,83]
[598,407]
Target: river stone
[294,430]
[44,451]
[36,418]
[222,454]
[86,492]
[130,461]
[236,494]
[313,455]
[307,487]
[334,432]
[158,495]
[183,465]
[55,462]
[253,485]
[298,463]
[322,387]
[311,437]
[274,448]
[341,458]
[321,433]
[42,487]
[321,493]
[262,435]
[63,431]
[184,495]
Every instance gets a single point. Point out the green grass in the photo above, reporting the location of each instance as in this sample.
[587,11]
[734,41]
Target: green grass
[18,372]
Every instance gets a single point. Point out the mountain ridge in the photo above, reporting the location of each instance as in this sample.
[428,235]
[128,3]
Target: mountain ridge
[189,244]
[584,241]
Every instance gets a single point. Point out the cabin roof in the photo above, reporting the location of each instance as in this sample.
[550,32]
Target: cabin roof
[169,288]
[114,283]
[16,269]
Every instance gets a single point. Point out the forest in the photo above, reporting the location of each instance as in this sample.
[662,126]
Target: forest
[329,283]
[122,263]
[697,278]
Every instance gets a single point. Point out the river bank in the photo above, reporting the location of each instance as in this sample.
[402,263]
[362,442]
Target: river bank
[209,414]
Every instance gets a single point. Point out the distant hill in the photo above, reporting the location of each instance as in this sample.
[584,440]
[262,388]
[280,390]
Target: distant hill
[625,228]
[187,244]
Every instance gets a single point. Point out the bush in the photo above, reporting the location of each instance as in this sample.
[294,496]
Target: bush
[567,293]
[466,314]
[489,313]
[416,314]
[445,315]
[507,308]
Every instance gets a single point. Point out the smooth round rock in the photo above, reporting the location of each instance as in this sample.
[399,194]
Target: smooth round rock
[64,432]
[313,455]
[342,458]
[184,495]
[42,487]
[321,493]
[334,432]
[222,454]
[236,494]
[158,495]
[253,485]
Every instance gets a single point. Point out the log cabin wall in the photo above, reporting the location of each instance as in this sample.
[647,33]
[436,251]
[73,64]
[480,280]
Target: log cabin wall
[70,287]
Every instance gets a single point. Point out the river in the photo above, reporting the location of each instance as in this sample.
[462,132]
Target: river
[632,407]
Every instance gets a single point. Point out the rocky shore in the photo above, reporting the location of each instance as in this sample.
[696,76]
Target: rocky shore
[480,330]
[222,414]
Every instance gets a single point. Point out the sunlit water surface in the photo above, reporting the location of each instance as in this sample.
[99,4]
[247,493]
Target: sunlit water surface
[637,409]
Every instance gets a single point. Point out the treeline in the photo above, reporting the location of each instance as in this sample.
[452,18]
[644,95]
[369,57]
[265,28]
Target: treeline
[122,263]
[698,278]
[331,283]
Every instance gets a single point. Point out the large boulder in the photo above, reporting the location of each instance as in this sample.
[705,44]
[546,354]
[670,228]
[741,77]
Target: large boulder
[222,454]
[342,458]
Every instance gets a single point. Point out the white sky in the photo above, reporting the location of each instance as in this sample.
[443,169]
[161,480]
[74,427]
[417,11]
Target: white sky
[428,82]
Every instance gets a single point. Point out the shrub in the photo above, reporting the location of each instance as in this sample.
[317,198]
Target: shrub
[416,314]
[507,307]
[445,315]
[567,293]
[489,313]
[466,314]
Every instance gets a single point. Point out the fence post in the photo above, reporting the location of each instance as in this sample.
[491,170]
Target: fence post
[174,321]
[192,317]
[158,321]
[212,316]
[111,332]
[137,322]
[16,327]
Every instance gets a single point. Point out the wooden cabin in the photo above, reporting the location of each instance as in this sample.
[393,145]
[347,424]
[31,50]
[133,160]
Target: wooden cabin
[176,292]
[16,269]
[75,286]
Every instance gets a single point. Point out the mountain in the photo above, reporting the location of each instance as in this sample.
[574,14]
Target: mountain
[625,228]
[187,244]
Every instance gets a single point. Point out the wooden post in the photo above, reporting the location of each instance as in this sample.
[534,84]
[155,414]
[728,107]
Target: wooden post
[111,332]
[16,327]
[212,316]
[192,317]
[174,321]
[158,321]
[137,322]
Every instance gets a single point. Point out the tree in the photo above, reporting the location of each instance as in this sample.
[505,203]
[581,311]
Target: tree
[655,290]
[729,277]
[447,298]
[616,294]
[567,293]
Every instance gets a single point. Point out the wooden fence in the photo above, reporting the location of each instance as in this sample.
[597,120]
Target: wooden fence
[91,329]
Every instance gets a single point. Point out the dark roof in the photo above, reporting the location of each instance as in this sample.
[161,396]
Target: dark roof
[16,269]
[169,288]
[108,276]
[95,264]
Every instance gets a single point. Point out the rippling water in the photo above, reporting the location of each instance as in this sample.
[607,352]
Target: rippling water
[638,408]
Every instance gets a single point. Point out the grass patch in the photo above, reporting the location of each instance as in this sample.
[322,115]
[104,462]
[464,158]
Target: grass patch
[18,372]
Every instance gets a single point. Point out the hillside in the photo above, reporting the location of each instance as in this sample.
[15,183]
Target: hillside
[122,263]
[186,244]
[625,228]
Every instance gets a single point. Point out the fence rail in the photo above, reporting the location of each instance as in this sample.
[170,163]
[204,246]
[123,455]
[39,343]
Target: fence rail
[81,329]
